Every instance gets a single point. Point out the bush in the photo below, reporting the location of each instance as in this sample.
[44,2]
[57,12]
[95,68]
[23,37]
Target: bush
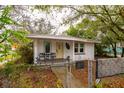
[99,50]
[7,69]
[10,68]
[26,53]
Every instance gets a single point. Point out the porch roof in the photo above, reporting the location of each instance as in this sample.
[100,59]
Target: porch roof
[61,37]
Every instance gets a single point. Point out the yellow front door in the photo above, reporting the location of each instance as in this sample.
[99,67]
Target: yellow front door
[59,50]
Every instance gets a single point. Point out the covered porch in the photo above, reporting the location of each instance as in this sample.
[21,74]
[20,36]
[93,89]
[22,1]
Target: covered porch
[48,51]
[57,48]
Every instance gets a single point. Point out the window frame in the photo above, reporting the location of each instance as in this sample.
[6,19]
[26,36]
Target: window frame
[79,48]
[45,46]
[76,47]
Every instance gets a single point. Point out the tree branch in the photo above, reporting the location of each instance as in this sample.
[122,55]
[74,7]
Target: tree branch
[4,39]
[96,13]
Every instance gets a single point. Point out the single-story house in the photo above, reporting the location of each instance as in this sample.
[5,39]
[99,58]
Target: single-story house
[76,49]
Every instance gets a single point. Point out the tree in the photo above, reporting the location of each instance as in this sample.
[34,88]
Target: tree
[29,19]
[86,22]
[9,36]
[84,29]
[109,22]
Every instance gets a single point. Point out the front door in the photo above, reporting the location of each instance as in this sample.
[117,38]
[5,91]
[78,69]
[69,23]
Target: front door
[59,50]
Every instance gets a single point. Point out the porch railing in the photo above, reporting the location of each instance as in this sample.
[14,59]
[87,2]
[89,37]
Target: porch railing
[49,57]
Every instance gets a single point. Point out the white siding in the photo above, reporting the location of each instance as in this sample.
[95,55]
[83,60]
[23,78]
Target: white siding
[35,50]
[38,48]
[53,46]
[88,52]
[79,57]
[68,52]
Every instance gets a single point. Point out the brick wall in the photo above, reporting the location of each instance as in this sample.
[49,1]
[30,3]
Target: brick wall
[110,66]
[82,74]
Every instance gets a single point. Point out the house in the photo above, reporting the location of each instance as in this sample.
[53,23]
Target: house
[62,47]
[120,44]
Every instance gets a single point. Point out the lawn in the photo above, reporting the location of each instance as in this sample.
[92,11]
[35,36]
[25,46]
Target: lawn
[27,76]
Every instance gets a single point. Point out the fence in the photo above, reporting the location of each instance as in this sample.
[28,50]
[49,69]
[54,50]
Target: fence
[110,66]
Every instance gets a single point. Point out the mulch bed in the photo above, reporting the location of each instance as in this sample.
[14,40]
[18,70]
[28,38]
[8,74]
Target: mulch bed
[81,75]
[116,81]
[30,78]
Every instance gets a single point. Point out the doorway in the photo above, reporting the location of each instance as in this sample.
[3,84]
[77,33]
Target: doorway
[59,50]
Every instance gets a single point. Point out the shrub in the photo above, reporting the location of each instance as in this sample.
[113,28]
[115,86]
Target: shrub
[8,68]
[26,53]
[99,50]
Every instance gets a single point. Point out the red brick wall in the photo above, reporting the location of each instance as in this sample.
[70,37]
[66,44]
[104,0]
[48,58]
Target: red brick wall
[82,74]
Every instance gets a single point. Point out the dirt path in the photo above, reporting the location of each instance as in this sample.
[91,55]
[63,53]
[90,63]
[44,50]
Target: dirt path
[67,78]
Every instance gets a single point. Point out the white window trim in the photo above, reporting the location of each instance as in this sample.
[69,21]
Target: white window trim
[50,45]
[79,53]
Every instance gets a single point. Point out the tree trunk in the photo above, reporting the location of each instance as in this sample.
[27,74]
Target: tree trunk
[122,55]
[114,50]
[115,53]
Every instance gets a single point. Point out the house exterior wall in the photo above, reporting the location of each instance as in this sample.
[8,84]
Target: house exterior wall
[79,57]
[53,46]
[38,48]
[35,50]
[68,52]
[88,50]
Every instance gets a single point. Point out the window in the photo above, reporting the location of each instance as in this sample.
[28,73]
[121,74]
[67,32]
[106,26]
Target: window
[76,47]
[47,47]
[79,48]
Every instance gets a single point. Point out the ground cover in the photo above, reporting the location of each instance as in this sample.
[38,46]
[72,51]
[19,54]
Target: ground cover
[27,76]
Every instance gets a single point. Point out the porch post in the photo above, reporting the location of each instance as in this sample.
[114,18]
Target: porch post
[35,50]
[73,57]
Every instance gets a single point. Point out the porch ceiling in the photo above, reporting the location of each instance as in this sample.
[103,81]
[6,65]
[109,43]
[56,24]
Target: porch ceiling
[60,37]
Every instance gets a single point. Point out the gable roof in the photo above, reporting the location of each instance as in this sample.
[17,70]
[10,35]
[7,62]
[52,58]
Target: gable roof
[61,37]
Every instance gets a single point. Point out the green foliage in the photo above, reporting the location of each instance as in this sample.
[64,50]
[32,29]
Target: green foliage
[83,29]
[8,69]
[98,86]
[99,50]
[13,68]
[26,53]
[9,36]
[104,20]
[5,17]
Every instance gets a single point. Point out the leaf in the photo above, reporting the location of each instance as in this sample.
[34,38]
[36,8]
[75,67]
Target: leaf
[1,46]
[6,20]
